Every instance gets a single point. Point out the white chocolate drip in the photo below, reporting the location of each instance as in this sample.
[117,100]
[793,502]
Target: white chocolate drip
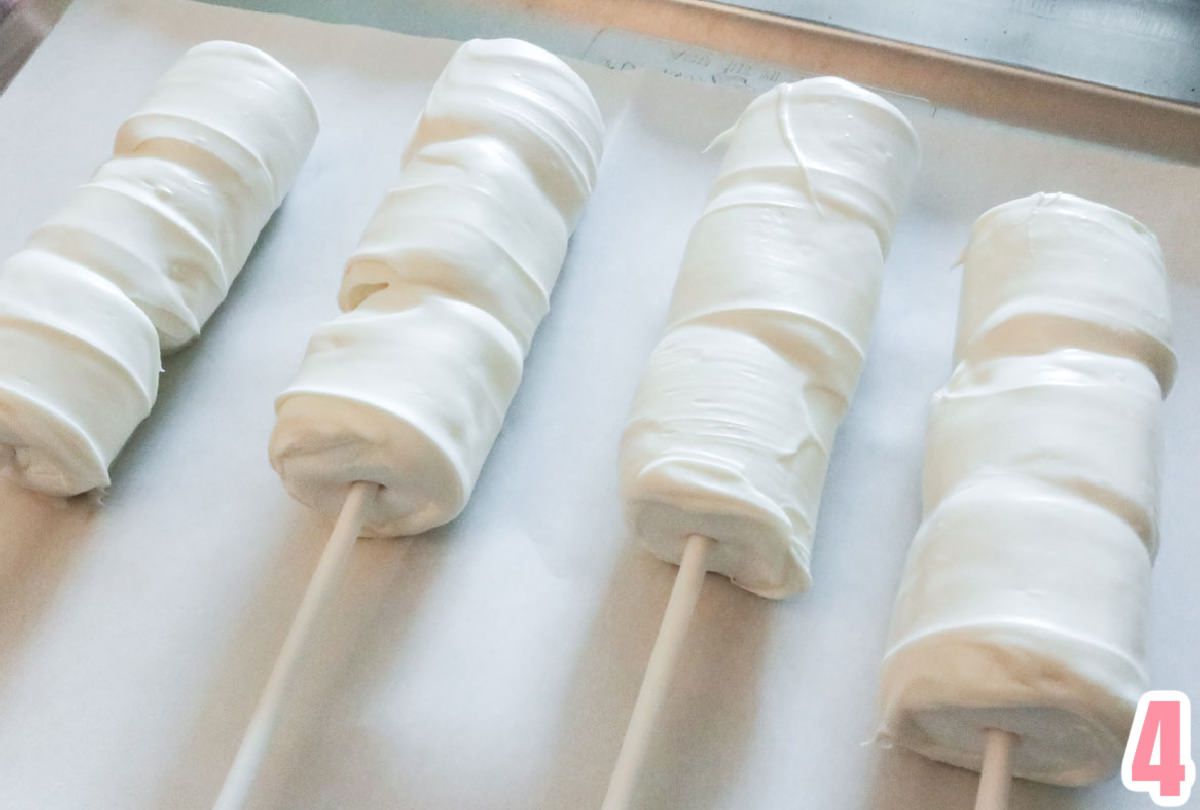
[139,257]
[1022,605]
[443,294]
[732,426]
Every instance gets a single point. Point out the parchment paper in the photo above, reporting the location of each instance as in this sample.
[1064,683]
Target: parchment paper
[493,664]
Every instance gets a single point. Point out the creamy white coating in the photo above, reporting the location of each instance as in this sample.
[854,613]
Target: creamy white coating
[207,158]
[731,428]
[1053,270]
[441,298]
[1022,604]
[79,369]
[234,115]
[1083,422]
[137,259]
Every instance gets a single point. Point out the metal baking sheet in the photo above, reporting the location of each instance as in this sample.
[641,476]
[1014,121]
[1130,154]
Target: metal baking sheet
[493,663]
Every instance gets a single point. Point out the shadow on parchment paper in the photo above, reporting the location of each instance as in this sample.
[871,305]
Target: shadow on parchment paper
[225,703]
[699,743]
[367,619]
[40,537]
[177,367]
[375,612]
[903,780]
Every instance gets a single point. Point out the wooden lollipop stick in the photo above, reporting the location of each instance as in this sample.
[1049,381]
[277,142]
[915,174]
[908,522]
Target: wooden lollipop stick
[659,670]
[324,581]
[996,775]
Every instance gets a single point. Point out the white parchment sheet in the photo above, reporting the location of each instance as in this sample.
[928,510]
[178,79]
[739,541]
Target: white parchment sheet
[493,664]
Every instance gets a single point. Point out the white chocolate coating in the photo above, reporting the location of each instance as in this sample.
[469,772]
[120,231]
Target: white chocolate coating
[442,296]
[1054,270]
[138,258]
[201,165]
[1022,604]
[235,116]
[79,369]
[732,426]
